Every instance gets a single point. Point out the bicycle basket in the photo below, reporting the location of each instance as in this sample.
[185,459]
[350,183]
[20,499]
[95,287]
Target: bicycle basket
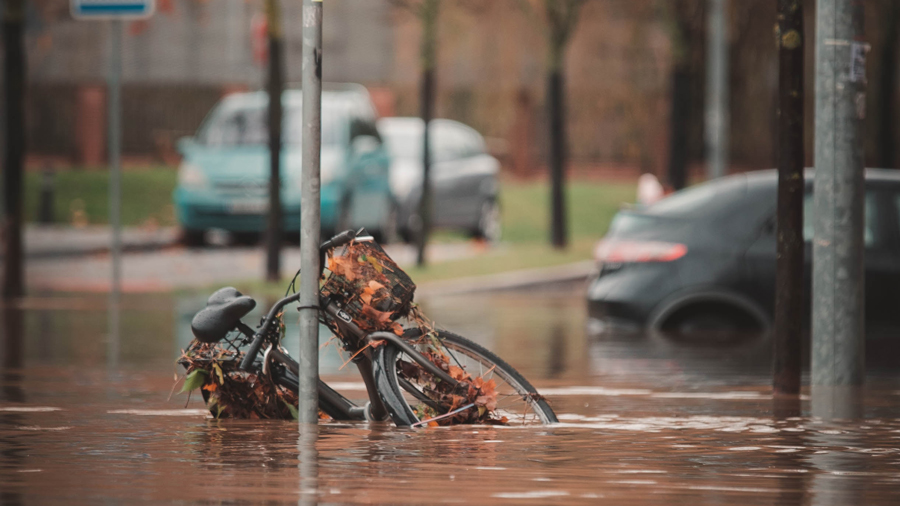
[372,289]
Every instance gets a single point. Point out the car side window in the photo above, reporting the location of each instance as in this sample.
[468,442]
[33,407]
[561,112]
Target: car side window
[362,121]
[871,235]
[442,145]
[362,125]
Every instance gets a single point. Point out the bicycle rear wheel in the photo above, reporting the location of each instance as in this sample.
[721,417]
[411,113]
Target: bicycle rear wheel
[410,394]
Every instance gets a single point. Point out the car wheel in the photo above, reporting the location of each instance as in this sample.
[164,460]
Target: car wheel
[246,238]
[193,238]
[713,327]
[489,226]
[707,322]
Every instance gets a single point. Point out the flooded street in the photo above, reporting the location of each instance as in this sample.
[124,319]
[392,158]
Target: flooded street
[644,420]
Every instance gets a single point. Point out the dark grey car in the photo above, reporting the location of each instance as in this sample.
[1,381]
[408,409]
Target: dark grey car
[704,258]
[463,174]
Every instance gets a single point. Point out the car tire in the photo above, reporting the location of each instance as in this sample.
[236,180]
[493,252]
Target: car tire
[707,322]
[193,238]
[489,225]
[246,238]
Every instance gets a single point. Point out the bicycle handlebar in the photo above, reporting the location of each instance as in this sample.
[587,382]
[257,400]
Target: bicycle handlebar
[258,339]
[338,240]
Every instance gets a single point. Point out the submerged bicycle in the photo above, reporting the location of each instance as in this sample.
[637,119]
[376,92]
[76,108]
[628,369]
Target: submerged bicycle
[414,374]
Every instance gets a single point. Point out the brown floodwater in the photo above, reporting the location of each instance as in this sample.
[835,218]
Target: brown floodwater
[87,419]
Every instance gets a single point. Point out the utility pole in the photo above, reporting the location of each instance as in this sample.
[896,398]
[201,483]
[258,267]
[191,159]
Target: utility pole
[14,131]
[791,188]
[717,116]
[838,325]
[274,89]
[429,16]
[310,212]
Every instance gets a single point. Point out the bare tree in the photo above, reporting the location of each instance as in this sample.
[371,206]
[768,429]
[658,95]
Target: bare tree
[14,141]
[682,18]
[275,86]
[560,18]
[789,226]
[427,13]
[885,87]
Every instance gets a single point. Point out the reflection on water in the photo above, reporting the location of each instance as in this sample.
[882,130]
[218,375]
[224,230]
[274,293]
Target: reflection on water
[644,420]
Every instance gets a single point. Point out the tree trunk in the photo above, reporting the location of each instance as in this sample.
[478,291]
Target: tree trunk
[426,203]
[557,162]
[274,231]
[428,15]
[791,188]
[14,98]
[679,125]
[886,151]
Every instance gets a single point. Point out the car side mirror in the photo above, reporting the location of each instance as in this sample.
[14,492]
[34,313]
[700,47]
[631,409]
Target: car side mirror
[186,144]
[364,144]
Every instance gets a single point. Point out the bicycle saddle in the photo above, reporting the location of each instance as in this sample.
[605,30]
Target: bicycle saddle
[224,310]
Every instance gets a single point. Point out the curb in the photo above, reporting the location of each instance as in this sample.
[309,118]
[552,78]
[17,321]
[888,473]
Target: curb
[41,244]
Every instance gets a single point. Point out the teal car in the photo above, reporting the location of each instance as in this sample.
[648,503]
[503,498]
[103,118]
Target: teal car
[224,176]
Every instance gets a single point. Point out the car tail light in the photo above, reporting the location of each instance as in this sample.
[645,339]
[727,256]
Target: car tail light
[611,251]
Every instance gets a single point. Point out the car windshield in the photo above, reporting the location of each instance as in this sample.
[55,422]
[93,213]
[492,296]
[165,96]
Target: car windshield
[245,125]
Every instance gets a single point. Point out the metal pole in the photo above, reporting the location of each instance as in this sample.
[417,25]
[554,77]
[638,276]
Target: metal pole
[789,274]
[310,210]
[308,465]
[115,183]
[838,326]
[717,117]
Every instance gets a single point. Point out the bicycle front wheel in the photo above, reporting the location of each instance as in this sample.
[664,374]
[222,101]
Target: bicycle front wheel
[411,394]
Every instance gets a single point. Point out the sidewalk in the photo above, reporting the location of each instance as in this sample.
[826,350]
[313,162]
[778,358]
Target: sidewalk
[177,267]
[52,241]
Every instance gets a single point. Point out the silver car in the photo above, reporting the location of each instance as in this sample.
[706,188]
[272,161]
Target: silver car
[463,175]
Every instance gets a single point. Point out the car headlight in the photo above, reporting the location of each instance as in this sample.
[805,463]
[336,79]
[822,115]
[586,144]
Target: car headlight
[191,176]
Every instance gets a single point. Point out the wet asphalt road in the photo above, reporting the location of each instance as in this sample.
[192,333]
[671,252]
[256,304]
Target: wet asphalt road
[645,420]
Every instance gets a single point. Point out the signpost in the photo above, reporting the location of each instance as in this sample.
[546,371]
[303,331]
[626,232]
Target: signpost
[115,11]
[112,9]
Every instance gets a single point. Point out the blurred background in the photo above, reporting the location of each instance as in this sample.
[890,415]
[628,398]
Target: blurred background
[621,64]
[635,101]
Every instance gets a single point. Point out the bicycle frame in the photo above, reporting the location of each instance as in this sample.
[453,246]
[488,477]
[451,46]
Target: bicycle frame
[334,404]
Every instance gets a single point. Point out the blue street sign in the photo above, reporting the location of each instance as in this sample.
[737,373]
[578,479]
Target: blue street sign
[108,9]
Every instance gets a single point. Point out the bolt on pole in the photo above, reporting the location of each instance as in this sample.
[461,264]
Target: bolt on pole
[310,210]
[717,117]
[838,325]
[791,188]
[115,186]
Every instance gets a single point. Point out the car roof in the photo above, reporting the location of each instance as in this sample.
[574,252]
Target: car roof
[413,124]
[771,175]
